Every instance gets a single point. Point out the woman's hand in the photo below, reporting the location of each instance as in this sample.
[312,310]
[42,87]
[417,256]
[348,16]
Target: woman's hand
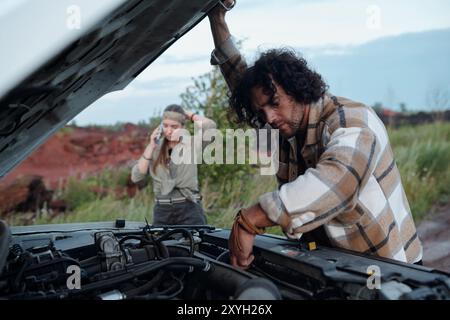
[154,137]
[189,115]
[144,160]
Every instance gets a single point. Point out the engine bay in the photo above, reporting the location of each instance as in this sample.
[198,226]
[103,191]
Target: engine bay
[132,260]
[155,263]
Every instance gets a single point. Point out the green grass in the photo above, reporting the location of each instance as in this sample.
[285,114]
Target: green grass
[422,155]
[423,158]
[104,209]
[140,207]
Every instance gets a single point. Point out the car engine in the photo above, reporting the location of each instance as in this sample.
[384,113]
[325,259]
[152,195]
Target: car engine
[155,263]
[132,260]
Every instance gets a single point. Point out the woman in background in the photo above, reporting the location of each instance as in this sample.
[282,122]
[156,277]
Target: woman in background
[177,195]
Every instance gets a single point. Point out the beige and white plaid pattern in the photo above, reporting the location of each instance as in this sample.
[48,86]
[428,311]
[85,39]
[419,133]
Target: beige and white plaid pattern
[347,182]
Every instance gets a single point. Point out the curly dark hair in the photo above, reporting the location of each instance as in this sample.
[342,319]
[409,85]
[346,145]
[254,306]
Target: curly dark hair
[287,69]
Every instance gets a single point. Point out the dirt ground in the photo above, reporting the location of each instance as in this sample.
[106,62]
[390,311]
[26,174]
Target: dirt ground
[80,152]
[434,231]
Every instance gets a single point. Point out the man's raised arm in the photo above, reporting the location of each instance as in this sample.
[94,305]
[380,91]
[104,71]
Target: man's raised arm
[225,54]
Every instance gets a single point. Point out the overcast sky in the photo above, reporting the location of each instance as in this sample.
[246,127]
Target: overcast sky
[262,24]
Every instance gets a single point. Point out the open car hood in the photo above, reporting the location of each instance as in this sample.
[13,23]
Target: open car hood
[54,66]
[50,73]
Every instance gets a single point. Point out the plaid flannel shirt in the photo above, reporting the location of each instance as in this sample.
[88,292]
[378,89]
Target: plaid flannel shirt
[342,177]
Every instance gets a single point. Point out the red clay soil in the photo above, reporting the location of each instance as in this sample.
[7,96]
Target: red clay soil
[79,152]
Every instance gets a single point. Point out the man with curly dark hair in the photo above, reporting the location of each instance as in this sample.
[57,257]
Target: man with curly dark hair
[338,181]
[277,69]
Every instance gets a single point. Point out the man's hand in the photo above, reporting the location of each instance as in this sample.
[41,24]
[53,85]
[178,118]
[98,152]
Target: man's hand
[242,257]
[219,10]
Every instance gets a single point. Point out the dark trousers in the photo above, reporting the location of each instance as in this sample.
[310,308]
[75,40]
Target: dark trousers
[184,213]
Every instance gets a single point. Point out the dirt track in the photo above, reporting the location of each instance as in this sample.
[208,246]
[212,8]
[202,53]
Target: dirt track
[434,231]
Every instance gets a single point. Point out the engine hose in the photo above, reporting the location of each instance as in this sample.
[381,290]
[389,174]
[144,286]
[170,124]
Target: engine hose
[226,278]
[163,295]
[239,285]
[185,232]
[131,273]
[18,279]
[148,239]
[150,284]
[141,270]
[140,238]
[220,276]
[5,233]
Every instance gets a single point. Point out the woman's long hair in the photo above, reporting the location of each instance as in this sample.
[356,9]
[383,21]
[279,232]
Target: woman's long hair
[163,156]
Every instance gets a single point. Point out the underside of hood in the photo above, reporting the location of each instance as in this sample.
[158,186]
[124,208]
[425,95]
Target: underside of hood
[121,41]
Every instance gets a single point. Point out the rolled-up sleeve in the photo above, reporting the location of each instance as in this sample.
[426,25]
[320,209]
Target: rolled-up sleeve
[136,175]
[232,64]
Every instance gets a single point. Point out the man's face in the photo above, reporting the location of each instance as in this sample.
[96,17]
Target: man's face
[282,113]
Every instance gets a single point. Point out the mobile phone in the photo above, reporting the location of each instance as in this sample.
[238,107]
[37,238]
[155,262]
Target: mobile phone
[159,136]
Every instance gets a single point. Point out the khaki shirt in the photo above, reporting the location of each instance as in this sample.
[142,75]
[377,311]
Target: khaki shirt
[178,179]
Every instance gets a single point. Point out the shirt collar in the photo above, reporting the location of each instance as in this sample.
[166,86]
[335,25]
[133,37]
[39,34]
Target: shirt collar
[316,113]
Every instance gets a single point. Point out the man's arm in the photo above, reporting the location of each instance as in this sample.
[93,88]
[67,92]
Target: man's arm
[225,54]
[241,241]
[315,197]
[330,188]
[219,27]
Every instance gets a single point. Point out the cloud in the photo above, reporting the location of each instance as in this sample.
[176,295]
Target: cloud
[327,27]
[149,89]
[175,68]
[7,6]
